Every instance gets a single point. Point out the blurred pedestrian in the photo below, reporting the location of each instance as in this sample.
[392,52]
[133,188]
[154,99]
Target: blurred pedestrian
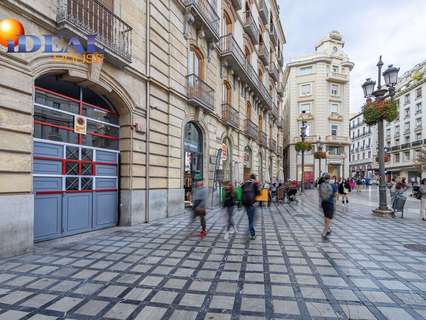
[250,191]
[199,200]
[327,192]
[422,191]
[229,204]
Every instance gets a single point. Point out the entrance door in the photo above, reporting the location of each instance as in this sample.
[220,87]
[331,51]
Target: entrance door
[193,148]
[75,175]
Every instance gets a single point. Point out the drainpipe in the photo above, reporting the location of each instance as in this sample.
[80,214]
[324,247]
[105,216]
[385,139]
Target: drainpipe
[148,113]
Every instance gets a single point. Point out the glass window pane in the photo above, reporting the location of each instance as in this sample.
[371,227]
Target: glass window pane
[72,153]
[86,183]
[71,168]
[86,154]
[86,169]
[56,102]
[99,114]
[99,142]
[102,129]
[71,183]
[55,134]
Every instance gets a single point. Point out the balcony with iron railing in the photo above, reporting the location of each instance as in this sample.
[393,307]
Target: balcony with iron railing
[233,56]
[200,94]
[263,11]
[238,4]
[250,129]
[230,115]
[263,53]
[90,17]
[337,77]
[280,58]
[274,111]
[205,16]
[273,33]
[262,139]
[250,27]
[338,139]
[273,145]
[273,71]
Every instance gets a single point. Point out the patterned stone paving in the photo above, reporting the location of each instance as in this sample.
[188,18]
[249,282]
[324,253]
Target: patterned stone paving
[165,271]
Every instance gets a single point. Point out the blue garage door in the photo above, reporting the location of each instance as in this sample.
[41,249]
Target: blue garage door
[75,176]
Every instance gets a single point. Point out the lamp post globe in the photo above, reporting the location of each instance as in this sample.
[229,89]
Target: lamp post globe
[368,87]
[391,75]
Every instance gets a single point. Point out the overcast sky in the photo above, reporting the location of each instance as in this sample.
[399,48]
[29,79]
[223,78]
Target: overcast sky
[394,28]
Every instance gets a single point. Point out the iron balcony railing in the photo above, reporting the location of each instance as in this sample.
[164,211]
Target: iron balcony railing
[205,12]
[275,111]
[280,59]
[90,17]
[273,71]
[251,129]
[231,52]
[273,145]
[273,34]
[263,11]
[262,138]
[264,53]
[230,115]
[199,93]
[250,27]
[238,4]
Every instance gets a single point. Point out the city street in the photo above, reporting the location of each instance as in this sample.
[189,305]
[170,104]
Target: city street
[163,270]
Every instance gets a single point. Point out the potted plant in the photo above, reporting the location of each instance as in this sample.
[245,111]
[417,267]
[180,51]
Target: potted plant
[373,111]
[303,146]
[320,155]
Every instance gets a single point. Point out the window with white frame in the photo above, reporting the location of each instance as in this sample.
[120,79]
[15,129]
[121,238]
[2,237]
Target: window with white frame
[335,68]
[334,150]
[418,108]
[396,157]
[369,154]
[407,126]
[304,71]
[334,108]
[418,93]
[334,90]
[407,98]
[407,113]
[418,123]
[306,89]
[363,155]
[407,155]
[397,141]
[418,136]
[407,138]
[334,128]
[306,106]
[397,129]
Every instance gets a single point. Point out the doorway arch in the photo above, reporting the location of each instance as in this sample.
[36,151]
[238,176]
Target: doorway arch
[193,157]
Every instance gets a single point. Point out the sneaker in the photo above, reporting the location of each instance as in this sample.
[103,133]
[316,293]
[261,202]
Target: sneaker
[324,235]
[233,230]
[203,233]
[253,237]
[328,233]
[226,235]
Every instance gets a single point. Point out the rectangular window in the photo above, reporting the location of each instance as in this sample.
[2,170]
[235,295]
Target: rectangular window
[369,154]
[363,155]
[418,93]
[418,123]
[407,113]
[334,108]
[335,68]
[418,136]
[396,141]
[334,90]
[407,155]
[396,157]
[407,98]
[305,107]
[334,129]
[419,108]
[306,89]
[304,70]
[334,150]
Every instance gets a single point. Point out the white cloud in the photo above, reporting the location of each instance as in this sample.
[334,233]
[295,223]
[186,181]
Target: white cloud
[396,29]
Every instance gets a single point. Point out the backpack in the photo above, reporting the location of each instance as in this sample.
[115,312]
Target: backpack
[228,199]
[249,195]
[325,191]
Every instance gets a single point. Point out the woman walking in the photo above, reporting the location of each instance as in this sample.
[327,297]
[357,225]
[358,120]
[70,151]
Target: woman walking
[343,191]
[229,204]
[200,194]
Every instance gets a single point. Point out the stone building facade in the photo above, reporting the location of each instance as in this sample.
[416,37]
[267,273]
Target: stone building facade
[363,151]
[405,136]
[317,92]
[90,145]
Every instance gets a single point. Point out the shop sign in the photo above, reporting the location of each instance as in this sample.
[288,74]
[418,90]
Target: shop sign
[80,124]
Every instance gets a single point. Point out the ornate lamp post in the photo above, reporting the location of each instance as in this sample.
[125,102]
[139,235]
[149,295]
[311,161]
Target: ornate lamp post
[303,136]
[376,111]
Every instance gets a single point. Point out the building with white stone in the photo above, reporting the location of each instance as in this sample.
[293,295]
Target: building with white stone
[317,91]
[406,135]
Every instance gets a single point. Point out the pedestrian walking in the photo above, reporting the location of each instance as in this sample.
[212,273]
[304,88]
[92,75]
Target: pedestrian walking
[422,191]
[199,200]
[327,192]
[343,190]
[358,184]
[250,191]
[229,204]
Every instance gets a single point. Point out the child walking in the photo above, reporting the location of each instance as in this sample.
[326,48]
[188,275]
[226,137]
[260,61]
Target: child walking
[229,204]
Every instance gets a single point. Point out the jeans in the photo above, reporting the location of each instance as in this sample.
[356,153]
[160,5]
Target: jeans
[203,222]
[251,212]
[230,211]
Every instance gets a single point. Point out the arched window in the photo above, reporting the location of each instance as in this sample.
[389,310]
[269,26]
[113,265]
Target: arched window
[227,92]
[248,111]
[227,26]
[196,62]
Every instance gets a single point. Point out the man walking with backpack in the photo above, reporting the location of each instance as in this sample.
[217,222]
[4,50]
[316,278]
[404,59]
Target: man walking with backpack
[250,191]
[327,192]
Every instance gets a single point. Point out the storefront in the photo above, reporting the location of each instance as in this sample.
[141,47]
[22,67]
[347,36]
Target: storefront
[193,156]
[75,159]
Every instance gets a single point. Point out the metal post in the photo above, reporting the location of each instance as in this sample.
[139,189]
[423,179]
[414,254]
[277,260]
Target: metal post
[302,183]
[382,183]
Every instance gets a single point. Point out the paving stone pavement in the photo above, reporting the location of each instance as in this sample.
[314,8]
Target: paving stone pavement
[163,270]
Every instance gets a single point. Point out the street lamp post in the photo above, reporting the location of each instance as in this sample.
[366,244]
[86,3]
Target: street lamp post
[303,136]
[319,149]
[380,94]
